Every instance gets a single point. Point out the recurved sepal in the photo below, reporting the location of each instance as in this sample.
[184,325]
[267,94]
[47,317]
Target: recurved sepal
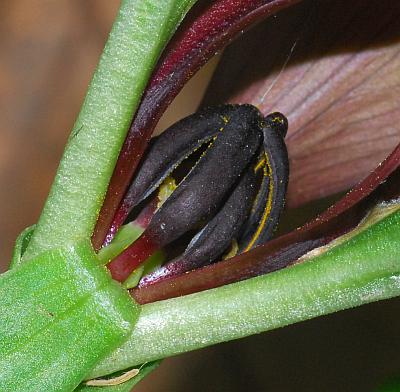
[60,314]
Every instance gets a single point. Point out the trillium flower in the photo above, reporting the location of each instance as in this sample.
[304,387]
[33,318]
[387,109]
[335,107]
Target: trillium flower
[346,256]
[340,128]
[329,137]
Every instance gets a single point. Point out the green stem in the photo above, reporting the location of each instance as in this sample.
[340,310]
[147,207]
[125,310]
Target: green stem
[364,269]
[125,236]
[140,32]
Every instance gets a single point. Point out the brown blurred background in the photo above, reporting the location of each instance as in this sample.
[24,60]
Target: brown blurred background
[48,52]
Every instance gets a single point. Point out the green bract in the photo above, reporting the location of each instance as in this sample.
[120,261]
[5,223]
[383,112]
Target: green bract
[60,313]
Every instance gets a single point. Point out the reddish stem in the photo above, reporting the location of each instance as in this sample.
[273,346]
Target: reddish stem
[123,265]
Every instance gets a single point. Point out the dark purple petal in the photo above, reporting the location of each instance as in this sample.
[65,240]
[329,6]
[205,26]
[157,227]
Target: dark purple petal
[207,29]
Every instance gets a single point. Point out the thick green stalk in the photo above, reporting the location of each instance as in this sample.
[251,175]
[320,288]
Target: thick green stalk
[140,32]
[364,269]
[60,311]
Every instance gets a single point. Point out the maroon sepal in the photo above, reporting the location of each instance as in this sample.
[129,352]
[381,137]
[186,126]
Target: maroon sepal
[382,184]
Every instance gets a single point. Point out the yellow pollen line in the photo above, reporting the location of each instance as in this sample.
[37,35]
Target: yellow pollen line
[165,190]
[225,119]
[259,165]
[268,206]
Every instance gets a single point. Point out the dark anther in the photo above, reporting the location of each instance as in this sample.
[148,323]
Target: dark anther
[235,191]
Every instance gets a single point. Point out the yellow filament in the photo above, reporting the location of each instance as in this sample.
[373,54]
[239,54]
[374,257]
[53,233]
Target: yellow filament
[232,251]
[260,164]
[267,210]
